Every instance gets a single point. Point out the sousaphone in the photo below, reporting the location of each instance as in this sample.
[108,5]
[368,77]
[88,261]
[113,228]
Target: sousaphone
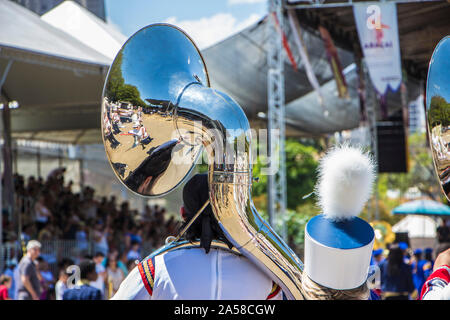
[438,112]
[159,114]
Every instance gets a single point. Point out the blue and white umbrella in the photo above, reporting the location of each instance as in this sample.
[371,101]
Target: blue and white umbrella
[423,207]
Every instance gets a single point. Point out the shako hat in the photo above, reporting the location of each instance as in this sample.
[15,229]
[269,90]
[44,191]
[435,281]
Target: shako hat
[338,244]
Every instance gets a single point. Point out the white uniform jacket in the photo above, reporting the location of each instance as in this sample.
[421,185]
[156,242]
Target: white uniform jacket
[190,274]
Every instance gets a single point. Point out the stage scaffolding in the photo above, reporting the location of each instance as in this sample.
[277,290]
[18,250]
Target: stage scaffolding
[276,190]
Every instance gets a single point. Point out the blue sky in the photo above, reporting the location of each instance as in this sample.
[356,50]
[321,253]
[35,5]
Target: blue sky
[206,21]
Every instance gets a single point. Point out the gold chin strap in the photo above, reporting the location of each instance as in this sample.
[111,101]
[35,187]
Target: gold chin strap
[186,227]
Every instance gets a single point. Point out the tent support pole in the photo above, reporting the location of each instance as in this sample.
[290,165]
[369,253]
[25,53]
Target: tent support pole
[7,174]
[38,161]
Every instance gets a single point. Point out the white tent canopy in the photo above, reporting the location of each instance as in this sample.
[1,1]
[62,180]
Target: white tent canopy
[56,79]
[86,27]
[61,60]
[68,52]
[417,226]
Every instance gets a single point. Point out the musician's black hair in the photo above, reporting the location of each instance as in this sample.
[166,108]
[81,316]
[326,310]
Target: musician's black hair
[206,228]
[86,268]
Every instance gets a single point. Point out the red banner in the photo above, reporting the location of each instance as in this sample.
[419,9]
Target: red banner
[335,63]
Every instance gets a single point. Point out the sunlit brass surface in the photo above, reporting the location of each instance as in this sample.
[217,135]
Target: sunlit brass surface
[143,84]
[438,112]
[164,69]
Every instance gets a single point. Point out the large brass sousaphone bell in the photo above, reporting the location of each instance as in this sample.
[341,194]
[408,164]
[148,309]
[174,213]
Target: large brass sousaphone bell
[438,112]
[159,114]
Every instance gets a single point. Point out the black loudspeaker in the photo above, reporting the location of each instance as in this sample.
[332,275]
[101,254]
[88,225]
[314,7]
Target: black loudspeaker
[392,146]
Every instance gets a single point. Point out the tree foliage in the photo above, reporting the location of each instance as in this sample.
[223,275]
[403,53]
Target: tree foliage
[420,175]
[439,112]
[301,166]
[118,90]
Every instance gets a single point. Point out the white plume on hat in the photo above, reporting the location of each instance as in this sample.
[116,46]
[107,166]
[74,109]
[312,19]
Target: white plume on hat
[346,175]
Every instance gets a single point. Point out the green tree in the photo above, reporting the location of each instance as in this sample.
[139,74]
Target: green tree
[420,175]
[117,89]
[301,167]
[438,112]
[115,80]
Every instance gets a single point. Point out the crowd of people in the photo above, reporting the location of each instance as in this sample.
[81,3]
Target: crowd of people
[55,212]
[403,270]
[103,231]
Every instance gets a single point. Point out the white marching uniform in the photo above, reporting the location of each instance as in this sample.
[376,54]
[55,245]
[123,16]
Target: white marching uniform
[190,274]
[142,133]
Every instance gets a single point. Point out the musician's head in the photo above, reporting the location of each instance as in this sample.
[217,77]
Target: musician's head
[205,228]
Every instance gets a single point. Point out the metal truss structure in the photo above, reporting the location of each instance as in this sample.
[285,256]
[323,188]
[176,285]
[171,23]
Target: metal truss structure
[276,123]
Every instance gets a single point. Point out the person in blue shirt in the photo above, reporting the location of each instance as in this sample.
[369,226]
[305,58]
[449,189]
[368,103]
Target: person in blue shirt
[428,266]
[83,290]
[404,247]
[417,269]
[377,257]
[396,276]
[9,271]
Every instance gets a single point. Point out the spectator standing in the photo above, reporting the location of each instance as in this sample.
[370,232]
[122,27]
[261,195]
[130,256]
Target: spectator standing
[377,257]
[99,283]
[61,284]
[9,271]
[404,248]
[29,287]
[428,267]
[16,280]
[83,290]
[418,273]
[81,236]
[100,238]
[42,213]
[134,252]
[396,276]
[115,276]
[47,281]
[131,264]
[443,231]
[5,285]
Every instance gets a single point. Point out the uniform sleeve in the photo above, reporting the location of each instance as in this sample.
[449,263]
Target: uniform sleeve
[276,293]
[132,288]
[437,286]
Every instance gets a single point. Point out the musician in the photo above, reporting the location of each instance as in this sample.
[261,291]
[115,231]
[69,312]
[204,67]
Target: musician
[418,271]
[203,272]
[377,257]
[437,286]
[338,244]
[144,137]
[428,266]
[116,124]
[108,132]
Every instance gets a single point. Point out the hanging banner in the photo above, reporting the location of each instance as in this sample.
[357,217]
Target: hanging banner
[378,35]
[295,26]
[285,42]
[335,63]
